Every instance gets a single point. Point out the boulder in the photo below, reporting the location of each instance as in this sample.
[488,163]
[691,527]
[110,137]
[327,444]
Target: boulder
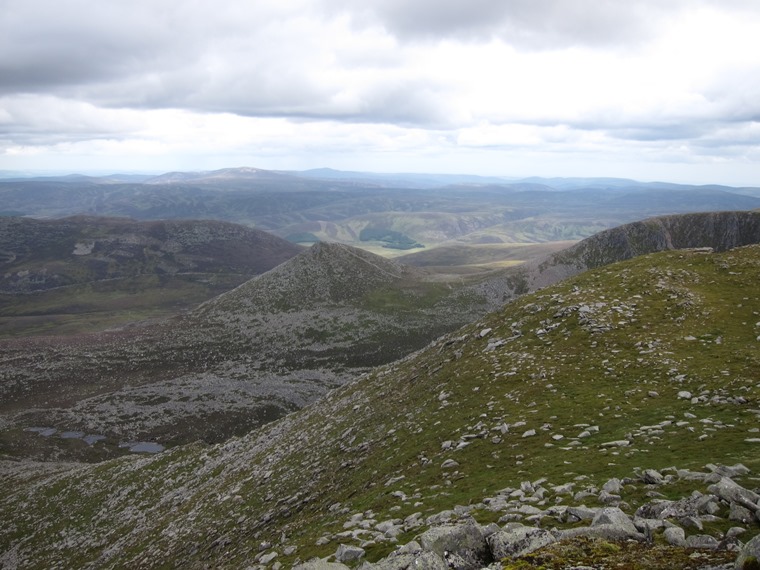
[652,477]
[749,556]
[610,523]
[732,492]
[648,526]
[614,516]
[410,548]
[613,486]
[348,553]
[581,513]
[703,541]
[740,514]
[675,536]
[518,541]
[729,471]
[606,498]
[655,509]
[465,541]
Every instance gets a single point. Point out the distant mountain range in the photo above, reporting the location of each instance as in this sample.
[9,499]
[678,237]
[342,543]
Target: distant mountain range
[425,210]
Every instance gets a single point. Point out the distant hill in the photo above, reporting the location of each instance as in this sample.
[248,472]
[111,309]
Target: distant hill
[210,177]
[42,254]
[56,269]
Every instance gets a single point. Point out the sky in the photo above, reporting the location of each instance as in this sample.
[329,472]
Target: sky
[644,89]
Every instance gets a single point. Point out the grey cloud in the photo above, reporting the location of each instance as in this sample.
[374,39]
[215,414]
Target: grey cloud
[51,45]
[532,24]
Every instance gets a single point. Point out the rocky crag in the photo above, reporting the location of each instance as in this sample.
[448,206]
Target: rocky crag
[716,230]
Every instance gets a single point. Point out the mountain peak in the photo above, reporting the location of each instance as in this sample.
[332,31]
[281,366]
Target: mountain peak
[326,273]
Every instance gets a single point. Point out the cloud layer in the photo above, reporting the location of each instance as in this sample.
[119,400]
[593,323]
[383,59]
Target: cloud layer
[482,85]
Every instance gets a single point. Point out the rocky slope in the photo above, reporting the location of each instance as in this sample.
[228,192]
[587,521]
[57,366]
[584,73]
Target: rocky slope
[621,372]
[272,345]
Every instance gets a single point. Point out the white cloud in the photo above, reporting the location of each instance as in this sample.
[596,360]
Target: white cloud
[433,80]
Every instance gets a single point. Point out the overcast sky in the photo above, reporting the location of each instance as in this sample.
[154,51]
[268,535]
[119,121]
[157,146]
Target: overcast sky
[646,89]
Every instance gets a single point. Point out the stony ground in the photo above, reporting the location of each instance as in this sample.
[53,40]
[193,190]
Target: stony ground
[644,372]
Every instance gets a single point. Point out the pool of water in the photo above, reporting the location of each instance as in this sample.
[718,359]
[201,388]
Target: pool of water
[92,439]
[143,446]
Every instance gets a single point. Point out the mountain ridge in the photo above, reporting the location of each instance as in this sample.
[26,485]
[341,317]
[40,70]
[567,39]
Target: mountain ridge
[716,230]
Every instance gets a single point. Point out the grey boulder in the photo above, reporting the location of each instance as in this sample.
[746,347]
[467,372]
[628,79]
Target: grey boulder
[518,541]
[462,546]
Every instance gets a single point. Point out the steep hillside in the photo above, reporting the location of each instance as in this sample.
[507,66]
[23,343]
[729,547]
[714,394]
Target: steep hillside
[650,364]
[716,230]
[115,269]
[270,346]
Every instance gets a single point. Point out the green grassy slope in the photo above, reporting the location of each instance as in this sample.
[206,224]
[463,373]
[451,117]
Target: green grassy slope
[611,348]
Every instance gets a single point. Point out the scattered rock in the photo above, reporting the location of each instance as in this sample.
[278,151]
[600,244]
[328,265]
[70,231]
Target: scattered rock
[422,560]
[613,486]
[318,564]
[703,541]
[730,492]
[652,477]
[740,514]
[616,443]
